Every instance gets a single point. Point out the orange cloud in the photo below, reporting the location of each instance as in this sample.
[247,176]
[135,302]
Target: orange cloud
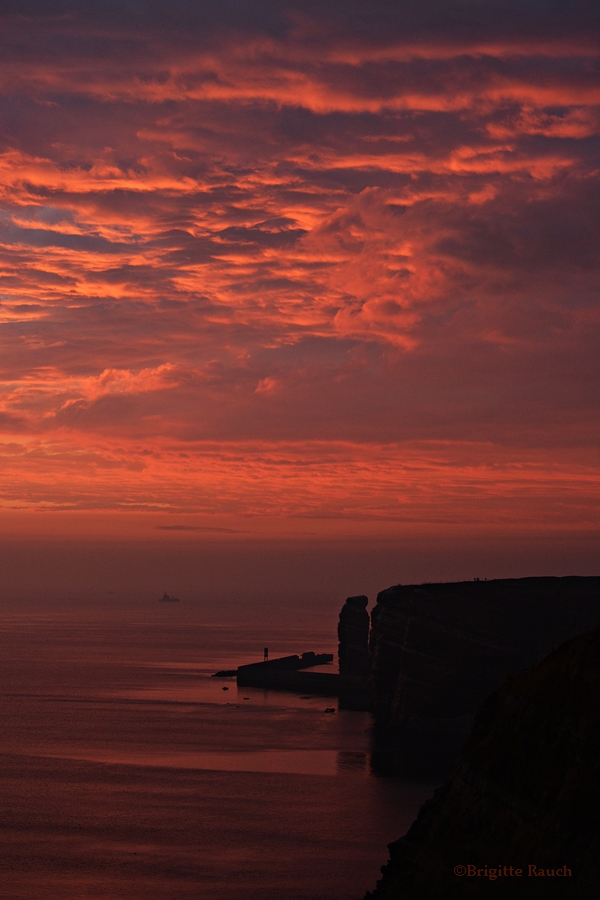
[322,266]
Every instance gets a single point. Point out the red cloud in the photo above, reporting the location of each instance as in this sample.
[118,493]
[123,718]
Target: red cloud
[248,270]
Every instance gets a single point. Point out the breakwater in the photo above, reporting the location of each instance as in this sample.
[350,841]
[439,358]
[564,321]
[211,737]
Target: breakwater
[287,673]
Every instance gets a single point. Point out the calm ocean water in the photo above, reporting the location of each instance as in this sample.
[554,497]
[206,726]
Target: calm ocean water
[127,772]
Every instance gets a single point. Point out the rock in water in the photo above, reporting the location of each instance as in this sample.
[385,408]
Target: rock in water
[353,652]
[526,793]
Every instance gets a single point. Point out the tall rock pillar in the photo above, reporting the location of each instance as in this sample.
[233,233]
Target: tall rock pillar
[353,652]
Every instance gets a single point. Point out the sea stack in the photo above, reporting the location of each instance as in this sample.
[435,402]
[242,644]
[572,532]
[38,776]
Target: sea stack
[353,652]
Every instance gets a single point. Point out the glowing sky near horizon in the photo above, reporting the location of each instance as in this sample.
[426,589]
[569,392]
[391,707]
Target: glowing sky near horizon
[298,263]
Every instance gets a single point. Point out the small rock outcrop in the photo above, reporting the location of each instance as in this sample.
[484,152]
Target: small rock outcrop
[437,650]
[353,652]
[526,794]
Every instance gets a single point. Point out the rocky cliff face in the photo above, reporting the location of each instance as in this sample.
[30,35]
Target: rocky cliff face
[437,650]
[526,793]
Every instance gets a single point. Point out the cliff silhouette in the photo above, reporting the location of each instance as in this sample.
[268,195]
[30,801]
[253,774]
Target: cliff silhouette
[526,792]
[438,650]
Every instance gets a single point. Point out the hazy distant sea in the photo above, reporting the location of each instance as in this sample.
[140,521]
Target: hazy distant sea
[127,772]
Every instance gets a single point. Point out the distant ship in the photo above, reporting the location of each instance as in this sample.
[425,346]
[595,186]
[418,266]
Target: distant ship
[166,599]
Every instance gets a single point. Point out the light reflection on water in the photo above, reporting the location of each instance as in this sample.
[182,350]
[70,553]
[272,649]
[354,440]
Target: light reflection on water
[188,686]
[127,772]
[292,762]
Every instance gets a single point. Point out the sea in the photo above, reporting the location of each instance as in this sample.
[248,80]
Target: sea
[128,772]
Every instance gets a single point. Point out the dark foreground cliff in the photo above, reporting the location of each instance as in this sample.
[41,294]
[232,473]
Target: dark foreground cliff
[526,793]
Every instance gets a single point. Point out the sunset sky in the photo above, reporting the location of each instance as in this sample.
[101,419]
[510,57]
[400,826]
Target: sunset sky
[299,270]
